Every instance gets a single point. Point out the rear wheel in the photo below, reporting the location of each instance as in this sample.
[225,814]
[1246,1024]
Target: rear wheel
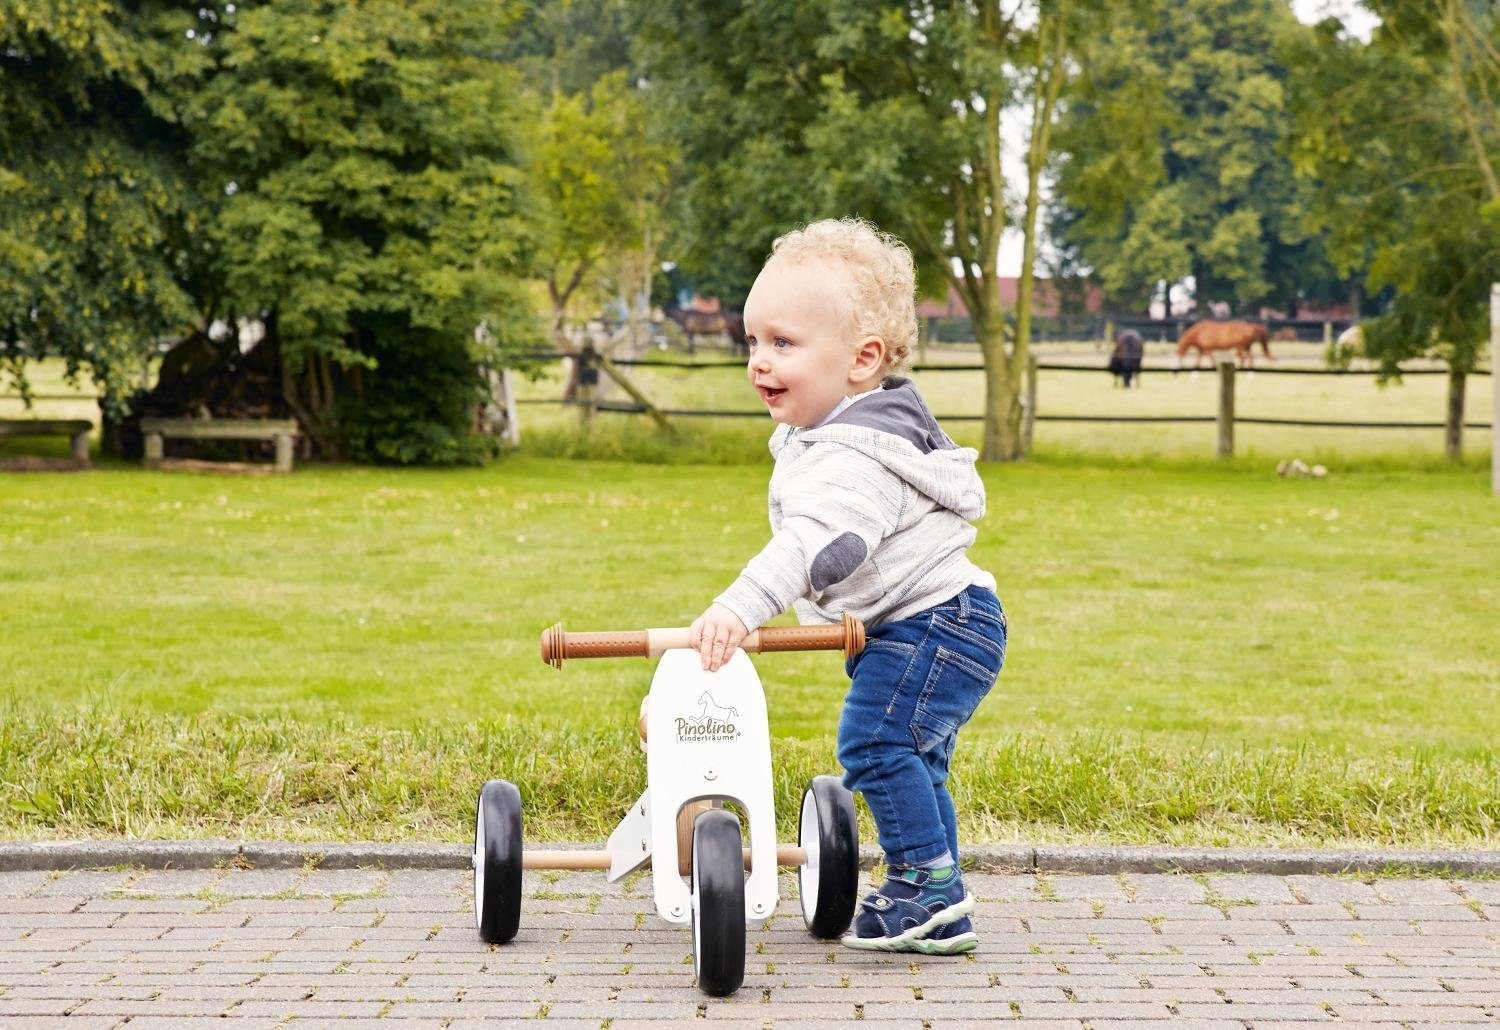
[828,880]
[497,862]
[718,886]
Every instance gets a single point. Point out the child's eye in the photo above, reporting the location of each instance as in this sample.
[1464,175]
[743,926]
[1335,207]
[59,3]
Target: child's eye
[781,343]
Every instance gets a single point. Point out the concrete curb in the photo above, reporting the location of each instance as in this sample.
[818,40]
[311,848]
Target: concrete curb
[201,854]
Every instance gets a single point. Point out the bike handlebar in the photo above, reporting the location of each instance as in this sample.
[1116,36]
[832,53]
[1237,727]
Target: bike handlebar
[557,645]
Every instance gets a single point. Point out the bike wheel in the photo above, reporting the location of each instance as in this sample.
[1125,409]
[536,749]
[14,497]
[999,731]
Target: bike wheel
[718,892]
[829,880]
[497,862]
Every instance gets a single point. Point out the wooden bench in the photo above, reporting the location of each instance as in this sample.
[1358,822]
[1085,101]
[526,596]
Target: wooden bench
[77,428]
[281,430]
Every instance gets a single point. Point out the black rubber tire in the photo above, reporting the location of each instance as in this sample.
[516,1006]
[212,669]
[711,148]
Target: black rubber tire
[497,862]
[829,880]
[718,889]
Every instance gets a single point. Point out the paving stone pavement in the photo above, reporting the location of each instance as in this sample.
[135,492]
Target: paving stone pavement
[239,949]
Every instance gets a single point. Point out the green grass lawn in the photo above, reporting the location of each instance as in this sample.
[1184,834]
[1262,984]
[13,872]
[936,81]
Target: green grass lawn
[1199,652]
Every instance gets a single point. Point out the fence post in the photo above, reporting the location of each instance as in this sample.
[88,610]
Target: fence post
[1028,416]
[588,382]
[1495,388]
[1226,407]
[1327,334]
[512,432]
[1109,332]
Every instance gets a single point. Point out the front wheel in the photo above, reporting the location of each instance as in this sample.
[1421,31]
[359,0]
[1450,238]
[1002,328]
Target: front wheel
[718,886]
[828,880]
[497,862]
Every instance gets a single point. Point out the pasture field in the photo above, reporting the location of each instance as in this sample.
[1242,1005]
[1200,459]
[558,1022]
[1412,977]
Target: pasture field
[1200,652]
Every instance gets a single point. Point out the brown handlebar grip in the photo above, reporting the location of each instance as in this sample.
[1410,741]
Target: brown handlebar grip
[848,636]
[558,646]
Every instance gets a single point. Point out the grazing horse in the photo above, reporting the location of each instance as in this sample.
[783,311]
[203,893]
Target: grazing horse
[1239,337]
[710,323]
[1125,360]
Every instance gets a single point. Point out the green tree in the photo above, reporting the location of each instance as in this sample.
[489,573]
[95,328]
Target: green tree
[600,165]
[565,46]
[791,111]
[365,158]
[1402,135]
[1171,159]
[600,179]
[96,209]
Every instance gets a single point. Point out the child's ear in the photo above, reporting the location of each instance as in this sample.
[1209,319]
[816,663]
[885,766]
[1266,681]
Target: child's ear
[868,359]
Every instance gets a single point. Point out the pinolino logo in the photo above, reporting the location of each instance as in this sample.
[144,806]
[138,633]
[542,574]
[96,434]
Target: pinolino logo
[712,721]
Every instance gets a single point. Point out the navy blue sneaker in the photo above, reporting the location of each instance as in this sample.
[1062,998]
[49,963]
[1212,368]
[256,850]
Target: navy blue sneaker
[908,912]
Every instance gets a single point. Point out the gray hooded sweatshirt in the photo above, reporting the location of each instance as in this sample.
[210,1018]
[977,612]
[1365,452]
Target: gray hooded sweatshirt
[871,514]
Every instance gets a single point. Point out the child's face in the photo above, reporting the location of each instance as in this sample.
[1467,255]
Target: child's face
[803,355]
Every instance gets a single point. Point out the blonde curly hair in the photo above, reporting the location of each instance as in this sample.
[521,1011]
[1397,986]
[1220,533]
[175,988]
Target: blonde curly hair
[882,274]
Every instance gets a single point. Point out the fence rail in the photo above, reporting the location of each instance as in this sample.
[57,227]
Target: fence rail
[51,397]
[628,408]
[1051,328]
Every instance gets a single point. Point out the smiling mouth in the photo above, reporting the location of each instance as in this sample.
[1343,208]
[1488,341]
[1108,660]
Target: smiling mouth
[768,393]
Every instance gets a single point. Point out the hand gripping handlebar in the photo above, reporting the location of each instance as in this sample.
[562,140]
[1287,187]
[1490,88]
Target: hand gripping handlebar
[557,646]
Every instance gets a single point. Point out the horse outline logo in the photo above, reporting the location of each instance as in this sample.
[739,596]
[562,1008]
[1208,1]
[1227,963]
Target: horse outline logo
[713,710]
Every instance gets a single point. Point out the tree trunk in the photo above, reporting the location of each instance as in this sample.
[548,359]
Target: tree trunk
[1200,291]
[560,297]
[323,370]
[307,420]
[110,442]
[639,306]
[1050,75]
[1453,430]
[1002,402]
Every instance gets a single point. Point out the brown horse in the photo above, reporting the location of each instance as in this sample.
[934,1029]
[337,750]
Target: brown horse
[1239,337]
[696,323]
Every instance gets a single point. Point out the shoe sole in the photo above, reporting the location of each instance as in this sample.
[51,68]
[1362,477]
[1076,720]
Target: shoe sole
[904,941]
[960,945]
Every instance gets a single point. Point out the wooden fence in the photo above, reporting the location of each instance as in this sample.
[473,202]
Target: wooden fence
[1224,418]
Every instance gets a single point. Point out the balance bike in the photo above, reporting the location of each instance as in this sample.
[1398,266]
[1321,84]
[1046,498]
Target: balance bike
[707,745]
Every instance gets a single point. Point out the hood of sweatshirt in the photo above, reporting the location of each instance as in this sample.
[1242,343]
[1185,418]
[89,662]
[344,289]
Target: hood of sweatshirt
[893,426]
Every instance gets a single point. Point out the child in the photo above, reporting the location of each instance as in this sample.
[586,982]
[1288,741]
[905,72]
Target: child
[871,505]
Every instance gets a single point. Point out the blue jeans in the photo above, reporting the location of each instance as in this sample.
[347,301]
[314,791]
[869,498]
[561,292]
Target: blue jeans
[917,681]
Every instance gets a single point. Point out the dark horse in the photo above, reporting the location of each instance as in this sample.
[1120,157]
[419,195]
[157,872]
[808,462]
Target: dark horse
[710,323]
[1208,336]
[1125,360]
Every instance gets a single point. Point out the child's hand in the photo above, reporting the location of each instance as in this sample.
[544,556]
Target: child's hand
[716,633]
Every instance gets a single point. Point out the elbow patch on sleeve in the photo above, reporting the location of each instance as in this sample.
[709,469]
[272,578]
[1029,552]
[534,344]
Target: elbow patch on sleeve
[838,560]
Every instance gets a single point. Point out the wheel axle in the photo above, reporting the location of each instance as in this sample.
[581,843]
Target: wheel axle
[787,855]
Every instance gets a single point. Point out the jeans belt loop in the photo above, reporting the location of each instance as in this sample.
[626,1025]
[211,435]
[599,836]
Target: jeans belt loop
[963,605]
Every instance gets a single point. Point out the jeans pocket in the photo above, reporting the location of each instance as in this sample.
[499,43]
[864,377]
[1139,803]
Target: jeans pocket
[955,686]
[981,630]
